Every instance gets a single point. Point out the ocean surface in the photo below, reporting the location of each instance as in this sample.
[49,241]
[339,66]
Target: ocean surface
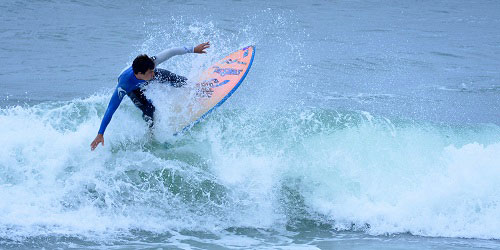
[361,125]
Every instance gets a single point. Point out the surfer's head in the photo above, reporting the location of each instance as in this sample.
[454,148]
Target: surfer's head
[143,67]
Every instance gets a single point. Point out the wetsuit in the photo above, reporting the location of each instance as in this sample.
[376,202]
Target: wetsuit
[129,85]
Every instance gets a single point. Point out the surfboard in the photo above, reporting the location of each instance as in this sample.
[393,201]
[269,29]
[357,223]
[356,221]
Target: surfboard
[215,85]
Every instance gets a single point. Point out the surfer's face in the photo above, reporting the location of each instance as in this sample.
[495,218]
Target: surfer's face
[148,75]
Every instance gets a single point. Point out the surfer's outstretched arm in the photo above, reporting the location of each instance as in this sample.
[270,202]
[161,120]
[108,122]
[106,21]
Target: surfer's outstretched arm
[169,53]
[115,101]
[163,75]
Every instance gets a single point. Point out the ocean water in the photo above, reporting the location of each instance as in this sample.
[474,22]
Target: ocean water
[361,125]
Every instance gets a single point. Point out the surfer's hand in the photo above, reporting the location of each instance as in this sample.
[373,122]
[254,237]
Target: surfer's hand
[200,49]
[98,139]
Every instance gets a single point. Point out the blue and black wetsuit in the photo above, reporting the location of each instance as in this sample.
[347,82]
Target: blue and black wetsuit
[129,85]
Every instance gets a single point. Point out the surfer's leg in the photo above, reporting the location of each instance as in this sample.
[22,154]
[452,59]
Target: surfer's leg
[163,75]
[145,105]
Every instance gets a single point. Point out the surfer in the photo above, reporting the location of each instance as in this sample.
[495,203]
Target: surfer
[132,81]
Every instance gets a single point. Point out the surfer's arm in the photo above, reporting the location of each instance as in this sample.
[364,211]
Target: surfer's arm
[112,106]
[115,101]
[167,54]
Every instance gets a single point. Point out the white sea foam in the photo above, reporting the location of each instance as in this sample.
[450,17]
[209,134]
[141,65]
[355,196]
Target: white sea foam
[353,170]
[414,181]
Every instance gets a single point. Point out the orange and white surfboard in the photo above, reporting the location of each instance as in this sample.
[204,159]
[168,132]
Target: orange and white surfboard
[218,83]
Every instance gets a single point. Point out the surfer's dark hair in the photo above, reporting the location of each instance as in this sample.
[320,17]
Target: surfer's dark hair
[142,63]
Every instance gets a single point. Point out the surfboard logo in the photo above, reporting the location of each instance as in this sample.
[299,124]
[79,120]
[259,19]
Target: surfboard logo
[231,61]
[222,83]
[226,71]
